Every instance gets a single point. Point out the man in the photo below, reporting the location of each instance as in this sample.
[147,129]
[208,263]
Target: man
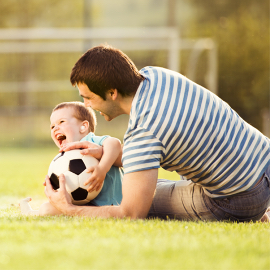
[180,126]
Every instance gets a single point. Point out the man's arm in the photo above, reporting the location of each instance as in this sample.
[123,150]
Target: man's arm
[91,149]
[138,192]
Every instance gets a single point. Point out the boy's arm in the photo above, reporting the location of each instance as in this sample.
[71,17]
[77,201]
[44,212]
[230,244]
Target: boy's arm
[118,161]
[111,150]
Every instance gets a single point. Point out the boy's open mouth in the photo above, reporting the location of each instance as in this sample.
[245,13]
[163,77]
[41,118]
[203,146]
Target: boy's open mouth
[61,138]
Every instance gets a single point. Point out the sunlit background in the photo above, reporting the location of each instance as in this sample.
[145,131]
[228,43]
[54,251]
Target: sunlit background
[222,45]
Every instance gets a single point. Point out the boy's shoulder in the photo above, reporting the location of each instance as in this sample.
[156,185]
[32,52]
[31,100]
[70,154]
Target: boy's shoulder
[88,137]
[91,137]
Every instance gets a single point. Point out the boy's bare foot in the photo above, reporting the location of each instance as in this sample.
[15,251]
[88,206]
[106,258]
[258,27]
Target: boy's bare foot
[26,209]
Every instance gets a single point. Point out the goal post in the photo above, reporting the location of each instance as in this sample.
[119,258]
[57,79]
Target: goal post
[24,100]
[59,40]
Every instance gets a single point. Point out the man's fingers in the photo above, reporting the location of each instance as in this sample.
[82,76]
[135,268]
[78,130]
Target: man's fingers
[74,145]
[90,151]
[85,152]
[47,177]
[88,148]
[95,152]
[48,187]
[62,182]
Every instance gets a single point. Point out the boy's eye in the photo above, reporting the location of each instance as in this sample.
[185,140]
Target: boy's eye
[52,127]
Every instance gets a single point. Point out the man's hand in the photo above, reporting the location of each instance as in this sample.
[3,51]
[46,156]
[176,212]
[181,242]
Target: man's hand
[89,148]
[60,199]
[138,192]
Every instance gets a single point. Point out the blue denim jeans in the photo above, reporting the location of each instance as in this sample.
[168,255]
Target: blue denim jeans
[185,200]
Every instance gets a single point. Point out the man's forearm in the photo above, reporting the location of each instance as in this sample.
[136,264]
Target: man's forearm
[94,211]
[138,191]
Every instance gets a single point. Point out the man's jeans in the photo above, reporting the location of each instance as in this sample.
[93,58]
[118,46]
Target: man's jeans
[184,200]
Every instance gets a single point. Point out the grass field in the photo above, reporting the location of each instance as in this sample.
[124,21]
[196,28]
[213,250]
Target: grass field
[82,243]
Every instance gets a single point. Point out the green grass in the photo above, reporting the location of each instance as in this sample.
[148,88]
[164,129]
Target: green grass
[83,243]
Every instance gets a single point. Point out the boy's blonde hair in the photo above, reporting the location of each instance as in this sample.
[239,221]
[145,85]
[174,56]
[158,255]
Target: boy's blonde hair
[81,113]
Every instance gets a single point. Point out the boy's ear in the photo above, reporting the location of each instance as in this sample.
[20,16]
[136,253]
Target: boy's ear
[84,127]
[113,93]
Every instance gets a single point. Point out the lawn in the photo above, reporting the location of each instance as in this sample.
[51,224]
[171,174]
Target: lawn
[82,243]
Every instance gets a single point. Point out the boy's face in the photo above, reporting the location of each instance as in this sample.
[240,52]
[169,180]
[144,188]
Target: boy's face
[65,127]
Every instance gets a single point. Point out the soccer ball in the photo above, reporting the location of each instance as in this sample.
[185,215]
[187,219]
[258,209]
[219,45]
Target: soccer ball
[73,165]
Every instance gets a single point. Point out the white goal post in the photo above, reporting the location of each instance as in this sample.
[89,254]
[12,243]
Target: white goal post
[55,40]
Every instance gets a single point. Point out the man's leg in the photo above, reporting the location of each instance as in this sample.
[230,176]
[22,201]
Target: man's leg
[246,206]
[182,200]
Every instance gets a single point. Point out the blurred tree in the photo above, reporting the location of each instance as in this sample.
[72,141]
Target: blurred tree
[26,67]
[241,29]
[42,13]
[171,20]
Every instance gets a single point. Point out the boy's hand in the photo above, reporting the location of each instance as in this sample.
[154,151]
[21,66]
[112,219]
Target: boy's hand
[89,148]
[97,178]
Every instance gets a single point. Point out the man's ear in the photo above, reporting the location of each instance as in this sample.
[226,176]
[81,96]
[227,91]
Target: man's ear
[112,93]
[84,128]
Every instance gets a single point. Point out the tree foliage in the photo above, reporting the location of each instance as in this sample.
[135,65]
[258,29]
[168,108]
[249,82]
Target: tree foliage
[241,30]
[41,13]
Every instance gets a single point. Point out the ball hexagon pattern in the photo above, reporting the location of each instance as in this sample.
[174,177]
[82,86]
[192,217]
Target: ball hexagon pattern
[73,165]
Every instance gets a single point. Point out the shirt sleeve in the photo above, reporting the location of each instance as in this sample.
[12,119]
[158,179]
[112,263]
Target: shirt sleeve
[142,151]
[91,137]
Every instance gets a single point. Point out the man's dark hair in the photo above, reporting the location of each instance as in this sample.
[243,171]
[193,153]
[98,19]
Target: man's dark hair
[103,68]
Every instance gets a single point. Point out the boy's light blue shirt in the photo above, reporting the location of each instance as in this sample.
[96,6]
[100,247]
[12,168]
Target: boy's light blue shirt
[111,193]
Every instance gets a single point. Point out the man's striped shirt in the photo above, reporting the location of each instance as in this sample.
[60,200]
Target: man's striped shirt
[181,126]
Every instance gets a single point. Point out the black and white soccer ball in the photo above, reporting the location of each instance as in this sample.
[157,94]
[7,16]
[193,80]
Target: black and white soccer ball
[73,165]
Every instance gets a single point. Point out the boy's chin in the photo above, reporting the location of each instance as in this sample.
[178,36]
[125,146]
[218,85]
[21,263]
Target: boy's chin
[64,143]
[61,144]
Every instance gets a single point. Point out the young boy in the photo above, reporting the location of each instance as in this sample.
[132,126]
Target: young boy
[70,122]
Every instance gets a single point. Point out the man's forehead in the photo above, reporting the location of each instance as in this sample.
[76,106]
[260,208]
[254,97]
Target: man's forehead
[84,90]
[82,86]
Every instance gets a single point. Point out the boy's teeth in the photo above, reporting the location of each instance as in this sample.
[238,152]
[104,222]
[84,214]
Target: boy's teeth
[61,137]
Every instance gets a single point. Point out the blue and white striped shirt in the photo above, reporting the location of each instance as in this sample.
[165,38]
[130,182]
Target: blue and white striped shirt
[181,126]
